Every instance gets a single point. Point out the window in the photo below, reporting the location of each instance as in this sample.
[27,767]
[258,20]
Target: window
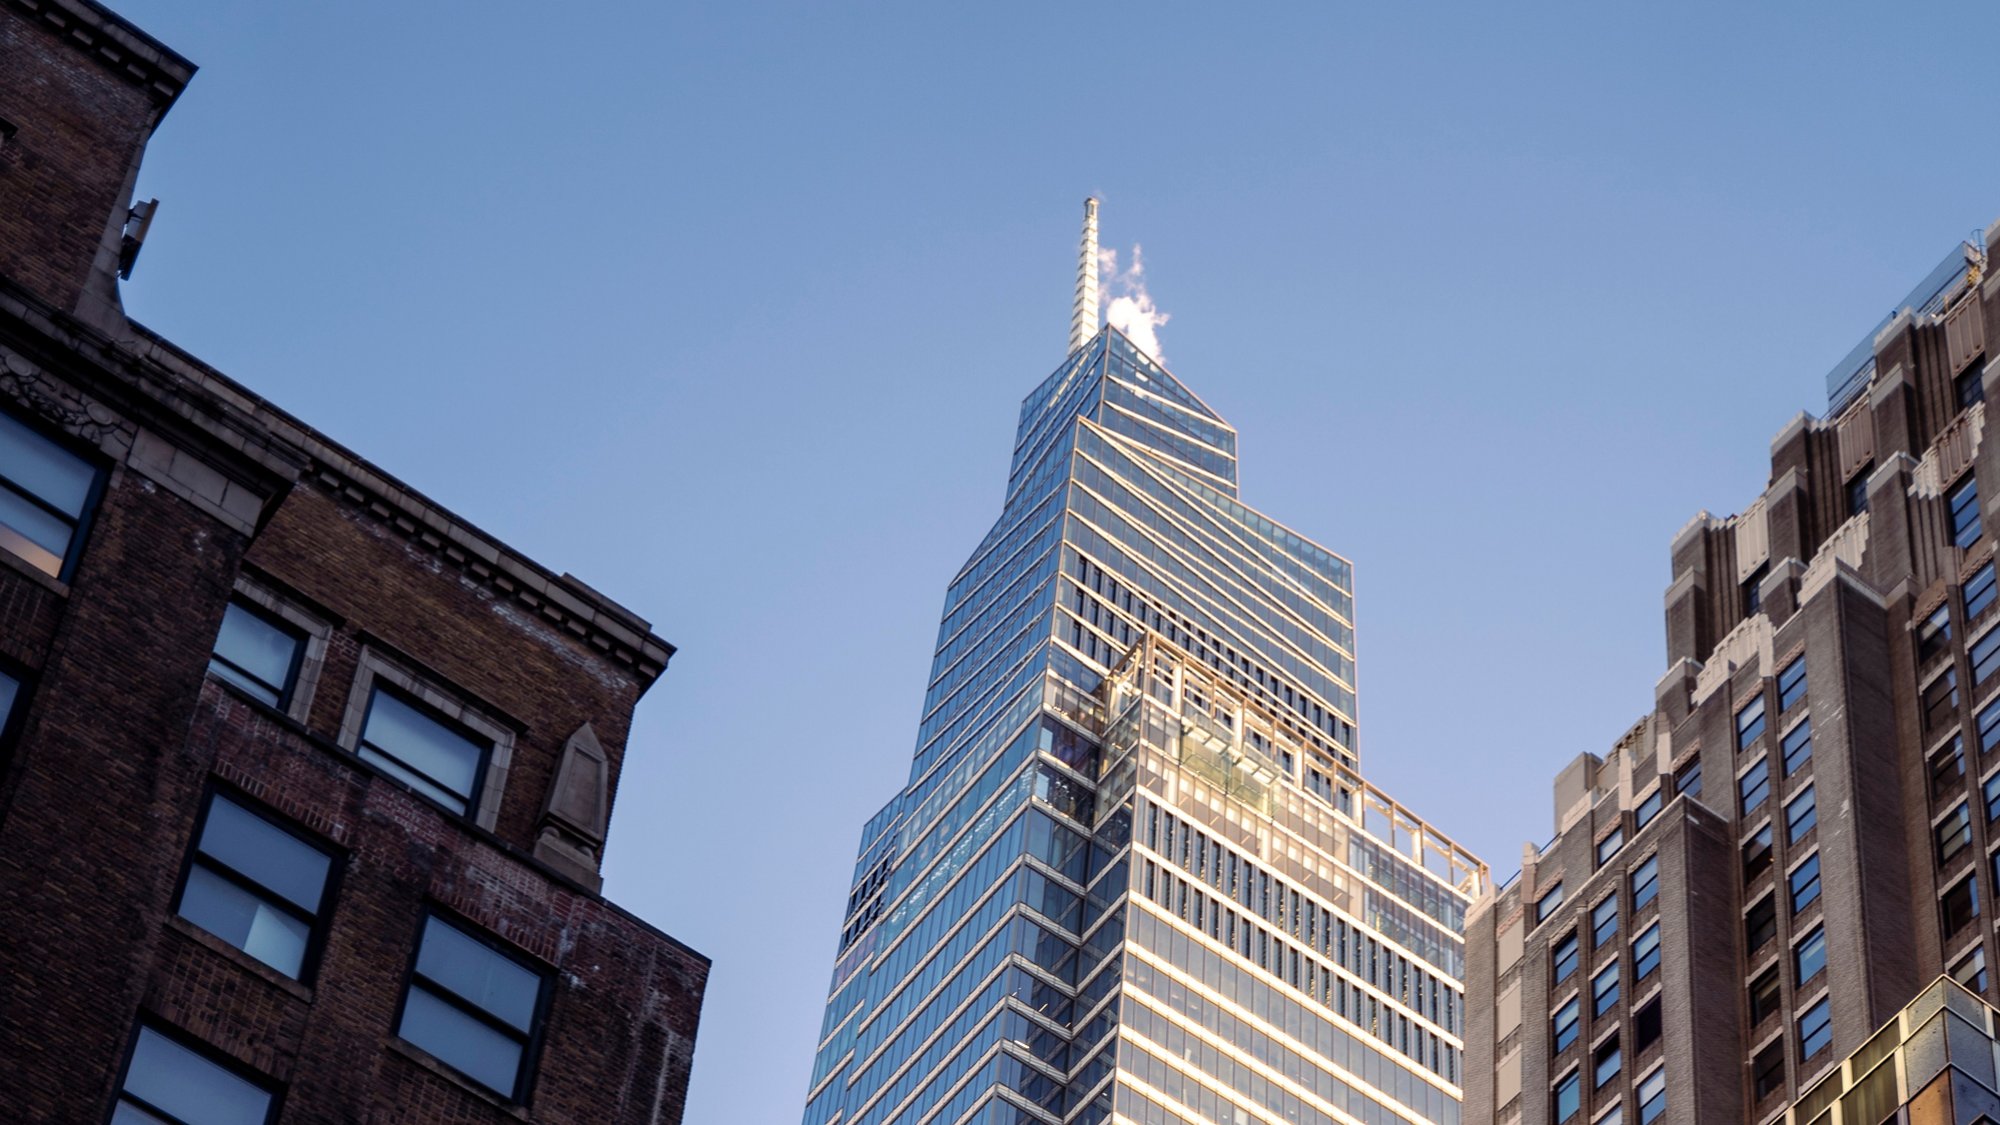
[1568,1097]
[1769,1069]
[1796,746]
[1604,921]
[1613,1116]
[1971,970]
[1605,1061]
[1649,808]
[45,491]
[1953,832]
[1963,515]
[472,1006]
[1764,996]
[1801,815]
[1857,491]
[1754,785]
[1969,388]
[1985,653]
[1948,768]
[255,885]
[1645,882]
[1991,791]
[168,1082]
[1989,726]
[1688,779]
[1815,1029]
[436,758]
[1750,722]
[10,691]
[1805,883]
[1646,952]
[1562,1026]
[1646,1025]
[1941,700]
[1757,853]
[1608,847]
[1979,592]
[1791,684]
[1960,905]
[1652,1096]
[1549,903]
[1563,957]
[1809,957]
[1761,923]
[1934,633]
[1753,589]
[1604,990]
[257,654]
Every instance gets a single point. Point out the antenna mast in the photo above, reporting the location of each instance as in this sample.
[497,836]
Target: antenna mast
[1083,314]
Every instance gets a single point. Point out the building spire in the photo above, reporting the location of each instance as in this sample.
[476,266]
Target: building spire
[1083,314]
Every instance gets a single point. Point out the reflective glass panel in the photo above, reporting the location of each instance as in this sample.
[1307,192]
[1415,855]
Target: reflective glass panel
[43,491]
[479,974]
[245,921]
[254,654]
[10,689]
[265,854]
[466,1043]
[168,1078]
[439,760]
[1810,957]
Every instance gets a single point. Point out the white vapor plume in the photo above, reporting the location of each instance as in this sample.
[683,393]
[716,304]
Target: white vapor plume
[1132,310]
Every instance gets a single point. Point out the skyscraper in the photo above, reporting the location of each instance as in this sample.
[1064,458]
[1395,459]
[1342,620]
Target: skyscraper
[1135,873]
[1767,868]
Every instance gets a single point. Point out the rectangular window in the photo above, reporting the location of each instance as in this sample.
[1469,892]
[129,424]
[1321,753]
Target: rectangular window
[10,691]
[1688,780]
[472,1006]
[1815,1029]
[1934,634]
[1791,684]
[1954,832]
[436,757]
[1769,1069]
[1562,1026]
[1563,957]
[1809,957]
[1645,882]
[1979,591]
[1805,883]
[256,885]
[1549,903]
[1604,921]
[45,492]
[1960,905]
[1608,847]
[1940,700]
[1760,924]
[1989,726]
[1604,990]
[1797,746]
[1962,503]
[1991,792]
[1757,853]
[1948,769]
[1764,996]
[1646,1025]
[1568,1097]
[1753,590]
[1971,970]
[168,1082]
[258,654]
[1985,654]
[1646,952]
[1652,1096]
[1649,808]
[1801,815]
[1857,491]
[1969,387]
[1750,722]
[1754,785]
[1605,1062]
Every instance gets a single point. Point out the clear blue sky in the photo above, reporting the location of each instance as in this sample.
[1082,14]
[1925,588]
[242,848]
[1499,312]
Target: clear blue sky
[729,308]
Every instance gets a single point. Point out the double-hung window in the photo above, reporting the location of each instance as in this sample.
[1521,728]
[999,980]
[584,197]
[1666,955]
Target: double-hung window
[1766,996]
[166,1081]
[1563,1025]
[1857,490]
[1801,815]
[1649,808]
[1969,387]
[1769,1069]
[1809,958]
[1985,654]
[1948,768]
[1750,722]
[1646,952]
[1953,832]
[1991,793]
[1645,882]
[1609,846]
[1791,684]
[1797,746]
[1604,990]
[10,693]
[256,885]
[1688,779]
[1979,590]
[1604,921]
[438,758]
[1606,1061]
[473,1006]
[1754,785]
[1563,957]
[258,654]
[1940,699]
[1568,1096]
[1804,883]
[1962,504]
[1960,905]
[45,493]
[1652,1096]
[1816,1028]
[1760,923]
[1757,853]
[1989,726]
[1971,970]
[1934,633]
[1549,903]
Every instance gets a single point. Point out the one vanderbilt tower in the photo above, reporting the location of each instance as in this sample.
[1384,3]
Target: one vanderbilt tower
[1135,875]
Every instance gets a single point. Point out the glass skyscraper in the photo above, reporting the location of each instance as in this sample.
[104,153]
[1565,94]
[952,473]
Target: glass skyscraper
[1135,874]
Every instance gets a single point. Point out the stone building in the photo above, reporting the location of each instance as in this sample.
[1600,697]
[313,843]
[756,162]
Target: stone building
[1769,866]
[304,780]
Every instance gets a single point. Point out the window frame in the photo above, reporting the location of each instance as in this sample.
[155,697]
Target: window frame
[1572,1082]
[1767,982]
[439,700]
[318,925]
[1795,747]
[1749,727]
[1544,907]
[529,1065]
[1792,885]
[1599,991]
[1971,883]
[1658,1101]
[17,711]
[1649,807]
[1933,634]
[1644,894]
[1801,814]
[1573,1006]
[1615,841]
[286,690]
[1557,972]
[1981,585]
[100,468]
[1800,978]
[1647,963]
[1761,767]
[1789,693]
[1961,500]
[204,1050]
[1599,936]
[1823,1004]
[1941,711]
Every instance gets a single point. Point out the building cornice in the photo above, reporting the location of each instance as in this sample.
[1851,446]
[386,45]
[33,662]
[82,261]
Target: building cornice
[117,45]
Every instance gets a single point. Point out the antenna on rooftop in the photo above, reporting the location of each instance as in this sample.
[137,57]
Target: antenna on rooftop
[1083,314]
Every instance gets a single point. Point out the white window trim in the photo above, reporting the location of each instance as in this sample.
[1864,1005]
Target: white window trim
[373,666]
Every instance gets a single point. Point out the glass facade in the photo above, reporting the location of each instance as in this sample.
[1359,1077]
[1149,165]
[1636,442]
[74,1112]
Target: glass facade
[1135,874]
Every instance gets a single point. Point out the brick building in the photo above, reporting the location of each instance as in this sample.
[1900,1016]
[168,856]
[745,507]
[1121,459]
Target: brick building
[304,781]
[1772,864]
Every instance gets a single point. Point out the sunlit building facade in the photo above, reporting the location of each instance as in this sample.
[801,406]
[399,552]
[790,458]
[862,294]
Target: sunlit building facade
[1135,875]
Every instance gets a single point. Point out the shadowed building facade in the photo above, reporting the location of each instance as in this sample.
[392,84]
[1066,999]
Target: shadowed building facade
[304,780]
[1135,874]
[1769,866]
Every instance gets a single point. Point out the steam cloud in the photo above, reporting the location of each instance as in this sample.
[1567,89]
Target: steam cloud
[1132,310]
